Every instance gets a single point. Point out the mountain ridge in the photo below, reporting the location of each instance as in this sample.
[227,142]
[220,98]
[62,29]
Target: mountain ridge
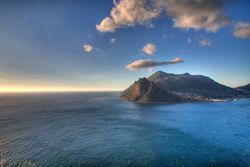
[245,88]
[192,84]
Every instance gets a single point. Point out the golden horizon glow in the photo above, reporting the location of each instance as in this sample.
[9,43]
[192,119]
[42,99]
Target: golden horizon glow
[16,89]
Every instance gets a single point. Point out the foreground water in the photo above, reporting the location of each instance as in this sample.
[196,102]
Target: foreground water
[99,129]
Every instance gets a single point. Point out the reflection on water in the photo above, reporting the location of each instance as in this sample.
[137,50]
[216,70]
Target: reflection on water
[98,129]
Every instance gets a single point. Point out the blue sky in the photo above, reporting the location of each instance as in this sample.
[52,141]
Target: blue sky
[42,46]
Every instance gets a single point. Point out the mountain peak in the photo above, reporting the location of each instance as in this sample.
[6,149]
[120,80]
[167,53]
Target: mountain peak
[158,74]
[143,80]
[161,74]
[145,91]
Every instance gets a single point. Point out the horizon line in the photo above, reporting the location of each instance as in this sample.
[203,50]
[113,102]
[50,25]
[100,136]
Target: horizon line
[5,90]
[58,91]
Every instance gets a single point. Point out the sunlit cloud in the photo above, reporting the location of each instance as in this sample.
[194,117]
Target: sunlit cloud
[242,30]
[164,36]
[196,14]
[150,69]
[88,48]
[149,49]
[205,43]
[186,14]
[148,63]
[128,13]
[112,40]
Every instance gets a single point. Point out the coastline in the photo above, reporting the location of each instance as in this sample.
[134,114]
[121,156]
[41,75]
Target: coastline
[202,101]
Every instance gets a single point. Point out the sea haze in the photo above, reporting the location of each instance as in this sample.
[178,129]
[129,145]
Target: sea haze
[99,129]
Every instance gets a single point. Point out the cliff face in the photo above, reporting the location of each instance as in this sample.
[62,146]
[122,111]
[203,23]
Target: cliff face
[145,91]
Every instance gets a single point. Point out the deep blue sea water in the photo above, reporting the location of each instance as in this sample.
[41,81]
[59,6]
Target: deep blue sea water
[99,129]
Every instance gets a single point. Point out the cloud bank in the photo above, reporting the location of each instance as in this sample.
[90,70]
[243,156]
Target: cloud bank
[186,14]
[148,63]
[242,30]
[88,48]
[149,49]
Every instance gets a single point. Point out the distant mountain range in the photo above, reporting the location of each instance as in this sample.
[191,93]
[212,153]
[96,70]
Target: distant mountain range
[165,87]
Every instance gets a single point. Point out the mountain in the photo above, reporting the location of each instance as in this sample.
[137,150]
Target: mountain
[190,86]
[245,88]
[165,87]
[145,91]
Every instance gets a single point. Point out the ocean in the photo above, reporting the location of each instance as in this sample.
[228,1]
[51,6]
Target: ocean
[99,129]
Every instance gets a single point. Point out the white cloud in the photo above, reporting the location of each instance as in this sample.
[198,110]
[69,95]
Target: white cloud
[205,43]
[164,36]
[189,40]
[150,69]
[148,63]
[149,49]
[128,13]
[242,30]
[112,40]
[197,14]
[88,48]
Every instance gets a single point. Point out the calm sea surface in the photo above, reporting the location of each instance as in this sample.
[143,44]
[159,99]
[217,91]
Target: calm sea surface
[99,129]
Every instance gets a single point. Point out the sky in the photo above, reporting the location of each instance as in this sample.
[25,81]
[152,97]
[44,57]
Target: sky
[102,45]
